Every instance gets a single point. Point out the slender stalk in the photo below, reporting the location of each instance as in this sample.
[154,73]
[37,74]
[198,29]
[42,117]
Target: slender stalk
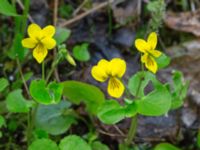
[43,71]
[132,131]
[25,15]
[134,120]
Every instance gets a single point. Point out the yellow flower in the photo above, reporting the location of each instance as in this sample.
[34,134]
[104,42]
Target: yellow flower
[40,40]
[114,70]
[149,52]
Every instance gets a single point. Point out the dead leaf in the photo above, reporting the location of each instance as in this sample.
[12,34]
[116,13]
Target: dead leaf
[185,21]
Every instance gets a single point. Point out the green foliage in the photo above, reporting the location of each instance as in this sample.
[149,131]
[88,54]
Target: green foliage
[198,139]
[7,9]
[2,121]
[56,118]
[62,34]
[65,10]
[112,112]
[3,84]
[163,61]
[43,144]
[179,90]
[155,103]
[166,146]
[138,82]
[81,53]
[99,146]
[78,92]
[17,50]
[74,142]
[16,103]
[50,94]
[157,11]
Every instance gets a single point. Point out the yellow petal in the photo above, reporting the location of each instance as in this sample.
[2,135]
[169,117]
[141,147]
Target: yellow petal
[151,64]
[48,31]
[29,43]
[144,58]
[115,87]
[99,72]
[152,40]
[49,43]
[117,67]
[34,31]
[142,45]
[39,53]
[155,53]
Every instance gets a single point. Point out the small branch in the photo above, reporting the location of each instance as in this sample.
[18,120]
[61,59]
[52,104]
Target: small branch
[22,77]
[118,130]
[22,7]
[110,134]
[81,16]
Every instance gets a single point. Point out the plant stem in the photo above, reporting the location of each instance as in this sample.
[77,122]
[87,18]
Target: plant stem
[25,15]
[132,131]
[43,71]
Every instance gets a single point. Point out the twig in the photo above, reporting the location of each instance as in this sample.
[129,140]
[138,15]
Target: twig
[22,76]
[110,134]
[79,17]
[118,130]
[79,8]
[22,7]
[55,18]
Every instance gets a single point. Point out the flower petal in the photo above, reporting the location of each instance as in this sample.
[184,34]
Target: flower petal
[151,64]
[115,87]
[49,43]
[152,40]
[144,58]
[39,53]
[155,53]
[142,45]
[48,31]
[117,67]
[34,31]
[99,72]
[29,43]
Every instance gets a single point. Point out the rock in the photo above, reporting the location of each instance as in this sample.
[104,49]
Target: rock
[188,117]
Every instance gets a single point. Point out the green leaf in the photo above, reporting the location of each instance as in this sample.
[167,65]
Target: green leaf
[78,92]
[166,146]
[3,84]
[99,146]
[81,53]
[17,50]
[73,142]
[56,118]
[2,121]
[139,81]
[156,103]
[62,34]
[179,90]
[16,103]
[112,112]
[163,61]
[7,9]
[198,139]
[43,144]
[46,95]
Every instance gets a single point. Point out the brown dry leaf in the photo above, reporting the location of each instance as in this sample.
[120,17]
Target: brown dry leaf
[185,21]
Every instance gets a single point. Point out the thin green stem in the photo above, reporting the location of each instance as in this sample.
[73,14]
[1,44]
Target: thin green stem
[43,71]
[25,15]
[132,131]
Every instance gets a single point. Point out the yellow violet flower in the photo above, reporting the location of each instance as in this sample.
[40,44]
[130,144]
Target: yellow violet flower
[149,52]
[40,40]
[114,70]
